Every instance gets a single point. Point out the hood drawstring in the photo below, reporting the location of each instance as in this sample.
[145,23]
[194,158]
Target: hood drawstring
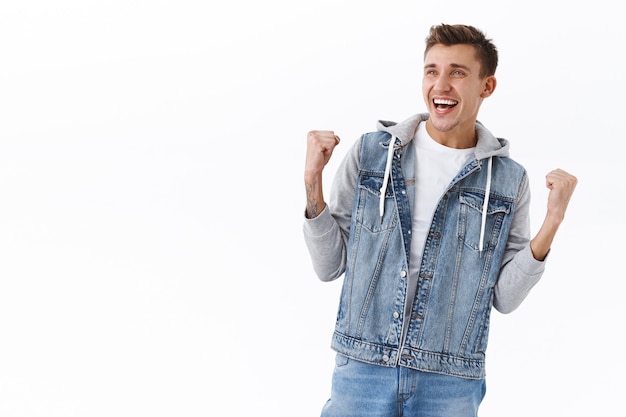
[383,189]
[485,207]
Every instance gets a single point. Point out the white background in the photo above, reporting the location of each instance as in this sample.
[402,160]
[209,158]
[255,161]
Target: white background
[151,197]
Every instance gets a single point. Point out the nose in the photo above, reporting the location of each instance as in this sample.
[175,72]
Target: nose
[442,83]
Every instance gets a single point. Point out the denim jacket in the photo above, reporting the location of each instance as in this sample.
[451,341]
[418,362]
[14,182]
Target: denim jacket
[470,262]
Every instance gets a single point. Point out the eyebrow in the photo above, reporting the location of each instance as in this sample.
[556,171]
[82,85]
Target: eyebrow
[466,68]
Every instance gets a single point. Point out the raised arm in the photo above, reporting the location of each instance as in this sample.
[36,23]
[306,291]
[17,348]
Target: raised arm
[320,146]
[524,265]
[561,185]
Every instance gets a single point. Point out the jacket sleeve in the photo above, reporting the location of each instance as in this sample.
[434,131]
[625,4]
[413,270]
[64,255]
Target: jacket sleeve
[326,236]
[520,271]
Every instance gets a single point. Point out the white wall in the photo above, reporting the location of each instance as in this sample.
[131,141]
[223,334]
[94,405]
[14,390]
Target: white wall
[151,197]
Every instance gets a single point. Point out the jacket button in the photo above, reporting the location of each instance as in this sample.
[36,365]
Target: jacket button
[385,358]
[403,274]
[396,314]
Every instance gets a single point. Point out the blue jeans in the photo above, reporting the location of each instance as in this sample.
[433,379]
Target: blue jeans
[363,390]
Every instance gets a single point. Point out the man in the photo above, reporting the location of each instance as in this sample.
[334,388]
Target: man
[429,221]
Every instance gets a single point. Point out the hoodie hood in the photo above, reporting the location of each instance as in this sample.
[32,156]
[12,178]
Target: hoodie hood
[487,146]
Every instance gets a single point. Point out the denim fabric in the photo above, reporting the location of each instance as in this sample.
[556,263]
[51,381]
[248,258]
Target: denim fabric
[364,390]
[449,323]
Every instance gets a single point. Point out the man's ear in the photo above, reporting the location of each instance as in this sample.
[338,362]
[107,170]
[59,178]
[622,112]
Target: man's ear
[489,86]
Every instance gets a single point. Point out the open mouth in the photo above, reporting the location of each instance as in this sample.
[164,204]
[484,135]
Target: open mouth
[441,104]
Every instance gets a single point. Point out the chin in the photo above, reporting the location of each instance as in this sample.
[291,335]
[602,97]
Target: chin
[442,125]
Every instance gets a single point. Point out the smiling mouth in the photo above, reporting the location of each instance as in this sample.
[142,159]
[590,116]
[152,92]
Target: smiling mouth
[441,104]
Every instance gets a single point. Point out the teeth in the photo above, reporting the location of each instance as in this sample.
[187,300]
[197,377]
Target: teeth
[446,102]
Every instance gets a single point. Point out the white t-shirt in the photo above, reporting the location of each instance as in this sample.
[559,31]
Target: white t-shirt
[436,166]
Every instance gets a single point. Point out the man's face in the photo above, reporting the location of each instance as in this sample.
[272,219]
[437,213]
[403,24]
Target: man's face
[452,87]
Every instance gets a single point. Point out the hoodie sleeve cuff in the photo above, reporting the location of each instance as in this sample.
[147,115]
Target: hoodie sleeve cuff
[320,225]
[527,263]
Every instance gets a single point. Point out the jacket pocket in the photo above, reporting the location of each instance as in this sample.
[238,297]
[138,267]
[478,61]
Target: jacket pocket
[368,205]
[471,219]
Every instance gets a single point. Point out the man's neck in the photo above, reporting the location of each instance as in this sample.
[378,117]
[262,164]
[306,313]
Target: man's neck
[460,137]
